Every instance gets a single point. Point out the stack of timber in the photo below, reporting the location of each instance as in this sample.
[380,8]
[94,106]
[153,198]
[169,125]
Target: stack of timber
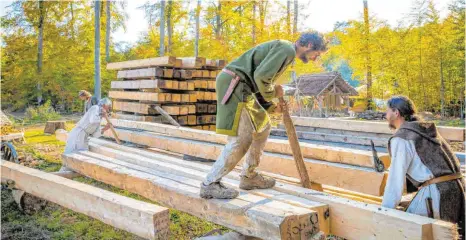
[336,167]
[160,177]
[182,87]
[285,212]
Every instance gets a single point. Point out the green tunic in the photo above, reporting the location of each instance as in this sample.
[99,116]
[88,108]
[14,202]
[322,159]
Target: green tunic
[258,69]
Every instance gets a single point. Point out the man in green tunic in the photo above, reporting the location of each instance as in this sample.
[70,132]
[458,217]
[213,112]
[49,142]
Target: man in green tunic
[245,89]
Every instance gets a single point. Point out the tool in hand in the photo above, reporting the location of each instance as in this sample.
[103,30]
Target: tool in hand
[379,166]
[112,128]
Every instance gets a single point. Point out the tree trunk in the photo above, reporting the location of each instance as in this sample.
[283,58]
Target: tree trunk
[198,17]
[218,21]
[107,33]
[288,17]
[162,29]
[72,20]
[40,51]
[295,22]
[262,14]
[368,55]
[97,50]
[169,26]
[253,22]
[442,86]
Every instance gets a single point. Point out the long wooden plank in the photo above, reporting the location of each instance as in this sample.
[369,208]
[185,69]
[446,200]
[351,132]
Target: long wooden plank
[193,62]
[254,217]
[141,84]
[140,73]
[326,137]
[142,63]
[449,133]
[155,119]
[348,219]
[12,136]
[141,96]
[175,165]
[143,219]
[353,178]
[319,152]
[135,107]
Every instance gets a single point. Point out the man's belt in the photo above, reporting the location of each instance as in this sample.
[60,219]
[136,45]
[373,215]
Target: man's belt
[441,179]
[234,82]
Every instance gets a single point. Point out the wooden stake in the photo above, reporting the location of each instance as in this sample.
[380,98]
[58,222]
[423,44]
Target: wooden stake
[296,149]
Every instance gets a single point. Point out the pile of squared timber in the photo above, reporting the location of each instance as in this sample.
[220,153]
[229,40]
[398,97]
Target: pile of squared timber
[160,171]
[183,87]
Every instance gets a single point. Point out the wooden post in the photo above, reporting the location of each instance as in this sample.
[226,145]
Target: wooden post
[296,149]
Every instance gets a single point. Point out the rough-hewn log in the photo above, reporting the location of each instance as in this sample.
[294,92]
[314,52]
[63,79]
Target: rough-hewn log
[143,219]
[449,133]
[143,63]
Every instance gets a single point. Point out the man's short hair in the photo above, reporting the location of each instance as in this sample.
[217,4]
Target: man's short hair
[316,39]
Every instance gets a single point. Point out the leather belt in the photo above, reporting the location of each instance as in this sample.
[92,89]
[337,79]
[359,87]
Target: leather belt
[441,179]
[234,82]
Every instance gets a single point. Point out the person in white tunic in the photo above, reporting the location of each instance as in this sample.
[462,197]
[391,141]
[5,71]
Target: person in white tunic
[89,125]
[421,157]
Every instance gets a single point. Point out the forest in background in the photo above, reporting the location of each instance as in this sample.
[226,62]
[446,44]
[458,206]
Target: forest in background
[48,46]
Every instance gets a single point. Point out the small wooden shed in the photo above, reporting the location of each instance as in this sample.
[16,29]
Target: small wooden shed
[328,91]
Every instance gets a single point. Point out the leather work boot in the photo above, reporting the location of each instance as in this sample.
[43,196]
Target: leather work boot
[257,181]
[217,190]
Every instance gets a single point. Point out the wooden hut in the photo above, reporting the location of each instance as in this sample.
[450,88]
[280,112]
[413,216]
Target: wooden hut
[324,92]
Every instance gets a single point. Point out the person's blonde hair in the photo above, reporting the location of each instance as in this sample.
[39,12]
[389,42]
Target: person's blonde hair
[84,93]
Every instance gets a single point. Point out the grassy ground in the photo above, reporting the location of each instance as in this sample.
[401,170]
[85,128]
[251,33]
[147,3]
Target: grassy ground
[55,222]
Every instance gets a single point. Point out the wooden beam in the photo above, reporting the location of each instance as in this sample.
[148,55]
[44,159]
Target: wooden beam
[168,73]
[372,221]
[319,152]
[326,137]
[140,73]
[183,74]
[193,62]
[248,215]
[212,108]
[449,133]
[141,84]
[176,166]
[143,219]
[135,107]
[122,116]
[143,63]
[178,63]
[12,136]
[353,178]
[141,96]
[213,74]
